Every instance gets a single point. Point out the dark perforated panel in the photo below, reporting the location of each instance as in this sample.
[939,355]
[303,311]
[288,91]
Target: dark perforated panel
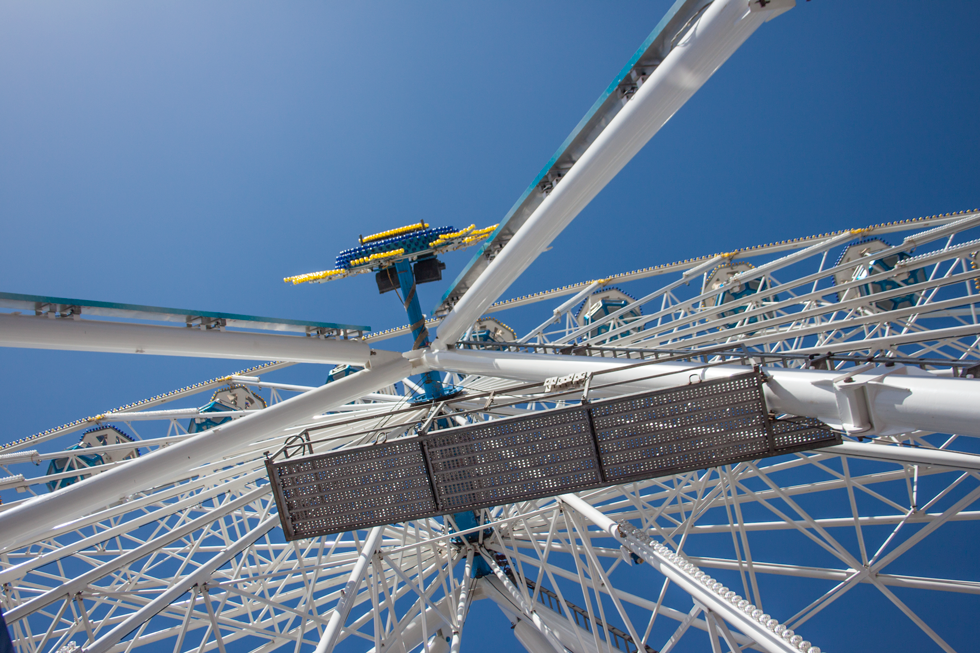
[513,459]
[530,457]
[802,434]
[352,488]
[682,429]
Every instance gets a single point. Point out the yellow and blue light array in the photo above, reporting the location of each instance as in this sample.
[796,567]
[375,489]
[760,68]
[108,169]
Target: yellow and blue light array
[387,247]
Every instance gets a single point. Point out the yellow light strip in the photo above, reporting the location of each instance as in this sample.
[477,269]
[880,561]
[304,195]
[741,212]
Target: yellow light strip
[313,276]
[394,232]
[485,230]
[444,237]
[474,236]
[375,257]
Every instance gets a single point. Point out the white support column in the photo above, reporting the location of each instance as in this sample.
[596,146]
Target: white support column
[720,30]
[531,638]
[767,632]
[348,595]
[25,522]
[526,610]
[40,332]
[462,605]
[411,634]
[525,630]
[895,403]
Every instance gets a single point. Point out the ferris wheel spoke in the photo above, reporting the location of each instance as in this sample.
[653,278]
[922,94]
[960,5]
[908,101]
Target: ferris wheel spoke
[730,492]
[35,517]
[600,577]
[916,619]
[115,337]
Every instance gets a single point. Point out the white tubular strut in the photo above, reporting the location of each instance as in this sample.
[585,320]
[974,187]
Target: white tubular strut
[877,401]
[411,634]
[519,601]
[120,338]
[25,522]
[720,30]
[199,577]
[348,595]
[462,605]
[567,306]
[767,632]
[907,455]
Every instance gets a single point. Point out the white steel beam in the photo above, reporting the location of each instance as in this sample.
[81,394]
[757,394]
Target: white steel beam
[200,576]
[348,595]
[77,584]
[869,401]
[632,306]
[41,332]
[720,30]
[907,455]
[566,306]
[411,635]
[462,606]
[527,632]
[682,574]
[23,523]
[518,600]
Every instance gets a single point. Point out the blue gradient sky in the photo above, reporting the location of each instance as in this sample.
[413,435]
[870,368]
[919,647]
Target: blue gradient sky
[193,154]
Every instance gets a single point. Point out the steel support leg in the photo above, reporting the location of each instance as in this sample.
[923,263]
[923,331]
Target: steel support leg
[349,594]
[767,632]
[526,610]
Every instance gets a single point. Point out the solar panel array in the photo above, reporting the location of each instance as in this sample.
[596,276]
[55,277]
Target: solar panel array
[631,438]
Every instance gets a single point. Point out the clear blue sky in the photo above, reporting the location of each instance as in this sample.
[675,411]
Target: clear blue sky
[193,154]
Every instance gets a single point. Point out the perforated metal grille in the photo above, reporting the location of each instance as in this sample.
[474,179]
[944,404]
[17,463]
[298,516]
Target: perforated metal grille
[349,489]
[802,434]
[535,456]
[682,429]
[513,459]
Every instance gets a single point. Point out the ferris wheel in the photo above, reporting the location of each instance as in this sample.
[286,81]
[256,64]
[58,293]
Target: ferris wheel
[734,451]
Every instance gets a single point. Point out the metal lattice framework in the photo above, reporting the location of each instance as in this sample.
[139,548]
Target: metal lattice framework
[872,331]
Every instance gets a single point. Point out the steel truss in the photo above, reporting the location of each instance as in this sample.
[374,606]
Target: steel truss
[180,548]
[197,561]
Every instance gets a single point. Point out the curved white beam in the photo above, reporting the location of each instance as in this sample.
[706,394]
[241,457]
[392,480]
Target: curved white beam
[868,402]
[25,522]
[720,30]
[40,332]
